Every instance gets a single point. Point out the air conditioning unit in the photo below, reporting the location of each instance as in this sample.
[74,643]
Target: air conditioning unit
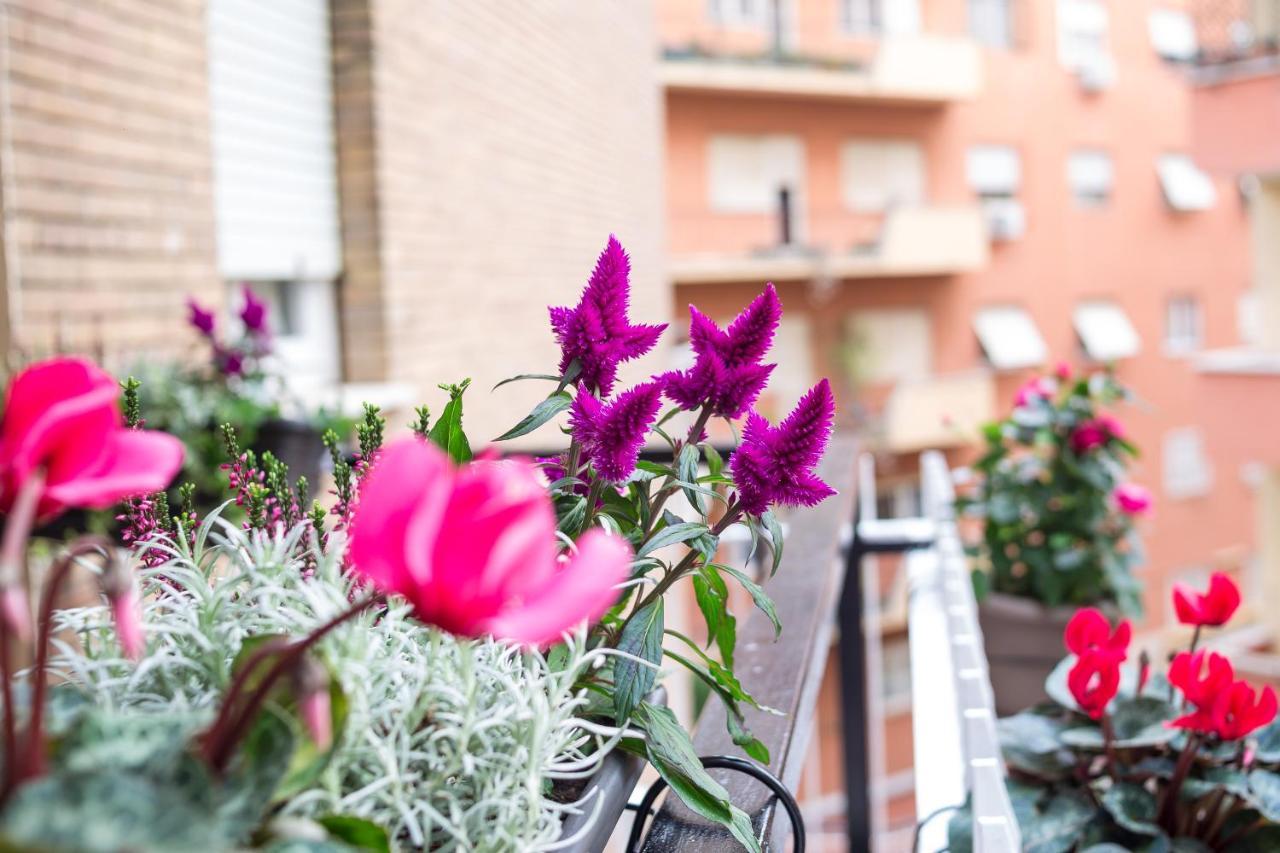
[1097,75]
[1006,219]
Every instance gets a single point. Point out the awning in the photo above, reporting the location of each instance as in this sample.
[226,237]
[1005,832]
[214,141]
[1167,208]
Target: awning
[1105,331]
[1009,337]
[1185,187]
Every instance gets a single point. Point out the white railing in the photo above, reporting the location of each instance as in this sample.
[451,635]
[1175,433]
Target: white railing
[957,751]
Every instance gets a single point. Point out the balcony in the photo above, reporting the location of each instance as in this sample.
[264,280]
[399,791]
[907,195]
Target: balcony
[937,411]
[913,242]
[917,69]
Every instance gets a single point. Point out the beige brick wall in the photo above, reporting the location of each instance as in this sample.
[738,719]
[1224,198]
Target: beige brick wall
[104,151]
[508,140]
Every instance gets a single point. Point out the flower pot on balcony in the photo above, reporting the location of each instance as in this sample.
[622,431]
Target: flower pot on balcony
[297,444]
[1023,640]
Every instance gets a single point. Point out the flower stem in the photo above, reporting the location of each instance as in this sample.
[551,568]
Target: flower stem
[593,498]
[669,487]
[13,551]
[230,727]
[1195,638]
[1109,738]
[1169,807]
[32,764]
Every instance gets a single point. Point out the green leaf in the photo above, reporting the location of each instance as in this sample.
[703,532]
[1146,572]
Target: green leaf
[524,376]
[1265,839]
[359,833]
[671,535]
[715,462]
[1265,787]
[447,432]
[671,753]
[687,469]
[1057,827]
[1269,743]
[775,538]
[1030,732]
[571,521]
[749,743]
[543,412]
[758,595]
[1133,807]
[632,681]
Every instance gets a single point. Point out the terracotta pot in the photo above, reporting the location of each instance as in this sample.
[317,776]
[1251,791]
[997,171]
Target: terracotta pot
[1023,640]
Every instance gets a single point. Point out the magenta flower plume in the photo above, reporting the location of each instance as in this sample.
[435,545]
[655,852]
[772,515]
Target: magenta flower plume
[597,333]
[611,434]
[774,465]
[254,312]
[727,374]
[473,549]
[200,319]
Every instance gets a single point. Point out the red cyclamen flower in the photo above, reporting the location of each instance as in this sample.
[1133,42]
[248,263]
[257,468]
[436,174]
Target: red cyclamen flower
[1201,677]
[597,333]
[1089,630]
[774,465]
[473,548]
[1094,681]
[1239,710]
[1132,499]
[1095,432]
[612,433]
[727,374]
[1212,608]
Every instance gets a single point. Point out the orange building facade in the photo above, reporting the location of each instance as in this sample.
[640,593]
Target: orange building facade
[950,194]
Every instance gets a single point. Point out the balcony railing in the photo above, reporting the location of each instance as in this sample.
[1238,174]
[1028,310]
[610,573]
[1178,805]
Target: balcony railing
[957,756]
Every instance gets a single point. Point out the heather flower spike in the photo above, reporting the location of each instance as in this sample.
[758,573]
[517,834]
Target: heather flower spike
[254,312]
[612,433]
[597,333]
[200,319]
[727,374]
[774,464]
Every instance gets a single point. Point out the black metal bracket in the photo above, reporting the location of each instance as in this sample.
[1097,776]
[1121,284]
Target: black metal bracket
[727,762]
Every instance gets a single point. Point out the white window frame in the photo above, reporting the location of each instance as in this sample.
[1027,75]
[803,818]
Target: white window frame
[1173,34]
[1091,177]
[992,22]
[1185,466]
[731,13]
[1183,324]
[1084,39]
[305,336]
[861,17]
[899,165]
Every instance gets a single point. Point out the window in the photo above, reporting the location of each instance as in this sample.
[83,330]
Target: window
[1082,35]
[738,13]
[1009,337]
[1185,187]
[1187,473]
[991,22]
[304,327]
[1173,34]
[861,17]
[748,173]
[995,174]
[1183,325]
[1105,331]
[875,174]
[890,345]
[1090,175]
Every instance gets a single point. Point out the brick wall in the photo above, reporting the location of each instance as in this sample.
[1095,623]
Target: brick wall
[104,152]
[507,140]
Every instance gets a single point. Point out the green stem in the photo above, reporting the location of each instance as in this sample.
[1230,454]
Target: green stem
[669,488]
[593,498]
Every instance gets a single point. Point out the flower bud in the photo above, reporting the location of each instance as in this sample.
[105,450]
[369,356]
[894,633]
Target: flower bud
[311,687]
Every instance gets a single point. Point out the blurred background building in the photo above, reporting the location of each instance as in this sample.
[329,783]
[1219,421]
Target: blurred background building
[949,194]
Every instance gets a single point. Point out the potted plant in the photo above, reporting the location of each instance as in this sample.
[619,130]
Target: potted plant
[1122,758]
[1057,524]
[437,658]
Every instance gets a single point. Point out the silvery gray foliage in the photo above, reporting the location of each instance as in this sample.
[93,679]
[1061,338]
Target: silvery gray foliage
[448,744]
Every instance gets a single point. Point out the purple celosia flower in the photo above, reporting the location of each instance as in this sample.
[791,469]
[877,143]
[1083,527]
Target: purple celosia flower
[727,374]
[612,433]
[597,333]
[201,320]
[774,465]
[254,312]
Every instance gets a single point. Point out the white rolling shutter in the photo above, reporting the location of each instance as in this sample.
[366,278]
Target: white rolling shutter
[275,178]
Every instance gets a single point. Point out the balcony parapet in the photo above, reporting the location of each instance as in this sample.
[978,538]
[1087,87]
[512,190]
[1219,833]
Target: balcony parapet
[910,69]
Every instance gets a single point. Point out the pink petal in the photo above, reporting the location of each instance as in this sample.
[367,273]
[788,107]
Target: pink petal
[402,501]
[583,590]
[57,402]
[132,462]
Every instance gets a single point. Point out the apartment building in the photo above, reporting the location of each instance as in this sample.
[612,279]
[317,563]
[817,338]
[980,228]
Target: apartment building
[950,194]
[409,183]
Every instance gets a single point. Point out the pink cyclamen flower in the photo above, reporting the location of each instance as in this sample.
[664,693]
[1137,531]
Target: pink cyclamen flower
[774,465]
[63,416]
[1240,710]
[473,548]
[1090,630]
[612,433]
[597,333]
[727,374]
[1062,370]
[1132,498]
[1036,388]
[1201,676]
[200,319]
[254,312]
[1094,681]
[1095,432]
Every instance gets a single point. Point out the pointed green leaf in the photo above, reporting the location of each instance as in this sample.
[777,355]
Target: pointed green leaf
[632,681]
[543,412]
